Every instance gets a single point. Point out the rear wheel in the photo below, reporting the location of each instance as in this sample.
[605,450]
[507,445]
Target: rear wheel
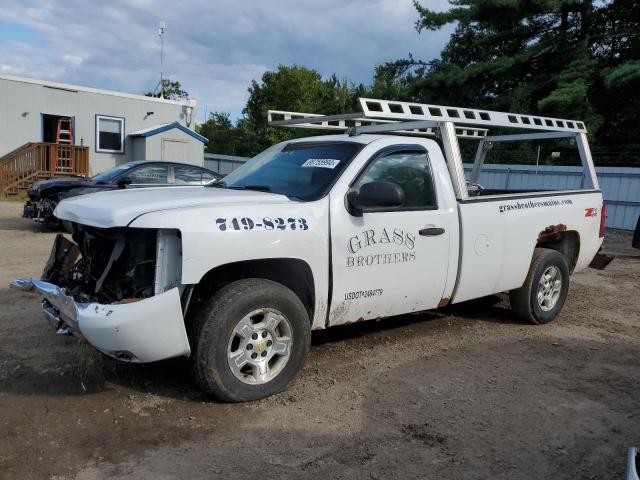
[545,289]
[249,340]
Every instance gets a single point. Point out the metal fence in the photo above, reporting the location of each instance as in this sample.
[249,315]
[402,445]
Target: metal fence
[223,164]
[620,185]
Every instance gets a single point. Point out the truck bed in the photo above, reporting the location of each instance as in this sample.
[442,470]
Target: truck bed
[499,234]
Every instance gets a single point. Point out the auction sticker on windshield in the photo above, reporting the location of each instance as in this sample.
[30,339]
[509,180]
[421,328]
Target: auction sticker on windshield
[321,163]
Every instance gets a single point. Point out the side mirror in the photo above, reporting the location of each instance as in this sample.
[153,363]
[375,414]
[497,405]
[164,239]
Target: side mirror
[375,195]
[123,182]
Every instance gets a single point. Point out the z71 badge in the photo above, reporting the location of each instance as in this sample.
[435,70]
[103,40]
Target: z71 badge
[590,212]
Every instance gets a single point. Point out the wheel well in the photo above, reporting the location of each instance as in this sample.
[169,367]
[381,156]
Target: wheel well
[293,273]
[567,242]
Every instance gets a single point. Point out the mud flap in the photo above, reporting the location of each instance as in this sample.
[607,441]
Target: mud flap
[600,261]
[58,268]
[635,243]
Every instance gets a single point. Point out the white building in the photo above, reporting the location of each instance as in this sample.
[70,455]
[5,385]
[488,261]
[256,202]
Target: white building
[49,128]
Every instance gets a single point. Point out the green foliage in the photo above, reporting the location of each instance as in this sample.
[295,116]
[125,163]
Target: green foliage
[225,137]
[297,89]
[290,88]
[171,90]
[624,75]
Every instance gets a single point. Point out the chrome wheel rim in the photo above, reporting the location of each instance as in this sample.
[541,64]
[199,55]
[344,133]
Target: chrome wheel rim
[549,288]
[260,346]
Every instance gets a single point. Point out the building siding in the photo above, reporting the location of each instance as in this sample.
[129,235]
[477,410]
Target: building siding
[154,147]
[23,102]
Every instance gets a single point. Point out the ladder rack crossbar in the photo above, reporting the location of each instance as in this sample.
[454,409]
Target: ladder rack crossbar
[389,109]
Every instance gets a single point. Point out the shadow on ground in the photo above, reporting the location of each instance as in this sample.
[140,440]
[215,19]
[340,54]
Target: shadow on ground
[527,409]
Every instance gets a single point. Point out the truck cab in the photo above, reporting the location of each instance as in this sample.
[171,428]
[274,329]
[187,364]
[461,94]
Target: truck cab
[376,221]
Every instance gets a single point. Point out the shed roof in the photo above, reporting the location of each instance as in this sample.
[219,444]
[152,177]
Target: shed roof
[163,127]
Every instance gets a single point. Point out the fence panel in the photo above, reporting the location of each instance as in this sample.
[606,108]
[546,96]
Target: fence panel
[620,185]
[223,164]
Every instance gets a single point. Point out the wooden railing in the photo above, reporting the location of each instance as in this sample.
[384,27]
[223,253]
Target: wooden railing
[38,161]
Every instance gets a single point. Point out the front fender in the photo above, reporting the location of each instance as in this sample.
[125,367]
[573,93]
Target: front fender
[216,236]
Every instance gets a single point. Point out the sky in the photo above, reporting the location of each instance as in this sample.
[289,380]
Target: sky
[213,47]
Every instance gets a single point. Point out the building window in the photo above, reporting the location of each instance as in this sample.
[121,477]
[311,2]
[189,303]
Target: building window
[109,134]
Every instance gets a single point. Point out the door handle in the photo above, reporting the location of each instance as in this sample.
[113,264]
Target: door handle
[431,231]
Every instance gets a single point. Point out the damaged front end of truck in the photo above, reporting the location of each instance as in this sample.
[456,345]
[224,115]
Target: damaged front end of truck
[119,288]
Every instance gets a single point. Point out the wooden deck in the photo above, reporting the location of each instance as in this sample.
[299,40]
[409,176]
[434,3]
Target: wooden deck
[39,161]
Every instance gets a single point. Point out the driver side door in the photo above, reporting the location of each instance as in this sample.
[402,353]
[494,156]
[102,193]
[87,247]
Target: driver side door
[391,261]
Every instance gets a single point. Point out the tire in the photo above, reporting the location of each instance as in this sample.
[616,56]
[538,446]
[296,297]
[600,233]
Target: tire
[229,329]
[525,300]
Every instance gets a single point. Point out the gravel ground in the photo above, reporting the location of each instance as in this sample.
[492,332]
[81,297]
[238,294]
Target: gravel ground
[468,392]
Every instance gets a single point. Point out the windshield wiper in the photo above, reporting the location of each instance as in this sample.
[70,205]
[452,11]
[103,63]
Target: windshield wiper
[216,184]
[259,188]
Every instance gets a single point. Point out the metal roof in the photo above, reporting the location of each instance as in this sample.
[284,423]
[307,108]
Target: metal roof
[76,88]
[163,127]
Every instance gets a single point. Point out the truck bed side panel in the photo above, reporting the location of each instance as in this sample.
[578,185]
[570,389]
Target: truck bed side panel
[500,234]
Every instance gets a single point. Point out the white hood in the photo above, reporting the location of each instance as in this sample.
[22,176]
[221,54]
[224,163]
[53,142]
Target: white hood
[118,208]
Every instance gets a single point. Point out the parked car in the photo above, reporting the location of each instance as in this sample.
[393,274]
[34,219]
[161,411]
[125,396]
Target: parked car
[316,232]
[45,195]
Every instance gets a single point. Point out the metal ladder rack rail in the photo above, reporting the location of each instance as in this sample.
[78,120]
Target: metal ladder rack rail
[356,124]
[393,110]
[375,112]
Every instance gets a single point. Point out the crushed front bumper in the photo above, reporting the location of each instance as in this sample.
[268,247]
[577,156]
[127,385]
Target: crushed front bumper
[39,210]
[143,331]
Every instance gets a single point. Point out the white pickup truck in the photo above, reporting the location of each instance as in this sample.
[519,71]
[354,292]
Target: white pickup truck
[373,222]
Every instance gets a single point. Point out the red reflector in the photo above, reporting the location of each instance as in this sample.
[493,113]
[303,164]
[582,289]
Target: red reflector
[603,219]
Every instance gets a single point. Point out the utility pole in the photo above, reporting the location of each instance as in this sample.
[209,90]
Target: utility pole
[162,25]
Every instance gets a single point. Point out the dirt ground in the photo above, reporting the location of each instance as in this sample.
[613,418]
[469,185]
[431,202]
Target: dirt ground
[469,392]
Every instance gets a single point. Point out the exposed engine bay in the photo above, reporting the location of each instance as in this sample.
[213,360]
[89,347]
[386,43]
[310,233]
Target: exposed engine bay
[116,265]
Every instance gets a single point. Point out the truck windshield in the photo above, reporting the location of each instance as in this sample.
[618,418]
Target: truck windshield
[304,171]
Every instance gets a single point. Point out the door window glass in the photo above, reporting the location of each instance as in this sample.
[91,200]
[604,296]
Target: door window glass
[409,169]
[148,175]
[187,175]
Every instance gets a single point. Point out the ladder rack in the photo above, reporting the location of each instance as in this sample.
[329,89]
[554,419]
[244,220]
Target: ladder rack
[448,124]
[355,123]
[409,118]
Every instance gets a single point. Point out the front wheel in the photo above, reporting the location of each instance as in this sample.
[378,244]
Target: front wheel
[545,289]
[249,340]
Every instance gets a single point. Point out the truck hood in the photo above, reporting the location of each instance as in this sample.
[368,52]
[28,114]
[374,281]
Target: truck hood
[119,208]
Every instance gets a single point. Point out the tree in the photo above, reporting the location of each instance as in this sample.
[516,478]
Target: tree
[566,58]
[515,55]
[227,138]
[616,45]
[169,89]
[289,88]
[292,88]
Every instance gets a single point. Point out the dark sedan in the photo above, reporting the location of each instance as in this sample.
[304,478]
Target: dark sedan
[45,195]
